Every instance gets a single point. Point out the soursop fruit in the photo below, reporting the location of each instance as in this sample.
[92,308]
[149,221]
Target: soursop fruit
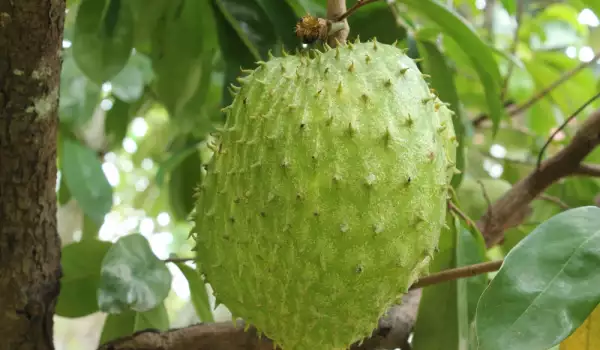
[326,194]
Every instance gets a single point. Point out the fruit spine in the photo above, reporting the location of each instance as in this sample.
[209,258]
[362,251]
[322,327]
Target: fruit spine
[327,193]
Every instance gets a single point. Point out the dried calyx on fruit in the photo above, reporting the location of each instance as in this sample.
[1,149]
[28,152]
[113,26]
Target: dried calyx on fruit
[326,194]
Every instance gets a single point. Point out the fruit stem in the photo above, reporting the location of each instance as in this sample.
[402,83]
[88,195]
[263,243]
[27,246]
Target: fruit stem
[336,9]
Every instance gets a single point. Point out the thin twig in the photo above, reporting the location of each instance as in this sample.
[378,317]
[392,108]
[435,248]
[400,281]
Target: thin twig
[513,48]
[509,210]
[581,170]
[178,260]
[460,272]
[514,109]
[356,6]
[587,170]
[555,200]
[488,202]
[563,125]
[541,94]
[460,213]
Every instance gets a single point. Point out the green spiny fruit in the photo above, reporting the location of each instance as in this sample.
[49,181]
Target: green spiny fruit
[326,194]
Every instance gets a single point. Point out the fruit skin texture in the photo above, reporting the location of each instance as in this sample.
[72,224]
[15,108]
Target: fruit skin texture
[327,195]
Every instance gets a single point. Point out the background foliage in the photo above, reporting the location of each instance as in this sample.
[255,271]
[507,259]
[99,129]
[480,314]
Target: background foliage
[142,85]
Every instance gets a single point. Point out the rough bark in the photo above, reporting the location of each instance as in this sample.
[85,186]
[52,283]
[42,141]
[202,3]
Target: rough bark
[392,333]
[508,211]
[30,41]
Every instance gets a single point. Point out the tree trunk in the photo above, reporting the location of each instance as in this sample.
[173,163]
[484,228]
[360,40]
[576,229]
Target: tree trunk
[31,34]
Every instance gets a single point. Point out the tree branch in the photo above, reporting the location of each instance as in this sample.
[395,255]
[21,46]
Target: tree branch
[508,210]
[587,170]
[355,7]
[454,274]
[393,330]
[541,94]
[564,125]
[514,109]
[336,9]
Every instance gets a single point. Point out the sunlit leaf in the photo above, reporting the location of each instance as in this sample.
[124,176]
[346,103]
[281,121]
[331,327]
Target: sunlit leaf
[198,293]
[82,170]
[562,12]
[479,53]
[510,6]
[594,5]
[547,286]
[587,336]
[129,84]
[103,38]
[79,96]
[132,277]
[129,321]
[546,68]
[81,262]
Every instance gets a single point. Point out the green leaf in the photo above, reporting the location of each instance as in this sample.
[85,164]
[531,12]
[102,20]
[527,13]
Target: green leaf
[375,21]
[594,5]
[172,162]
[546,68]
[117,123]
[546,287]
[442,80]
[471,250]
[86,180]
[241,48]
[563,13]
[251,23]
[64,196]
[182,52]
[90,229]
[79,96]
[129,84]
[147,15]
[443,307]
[313,7]
[576,191]
[282,15]
[103,38]
[183,182]
[510,6]
[198,292]
[81,262]
[129,322]
[132,277]
[479,53]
